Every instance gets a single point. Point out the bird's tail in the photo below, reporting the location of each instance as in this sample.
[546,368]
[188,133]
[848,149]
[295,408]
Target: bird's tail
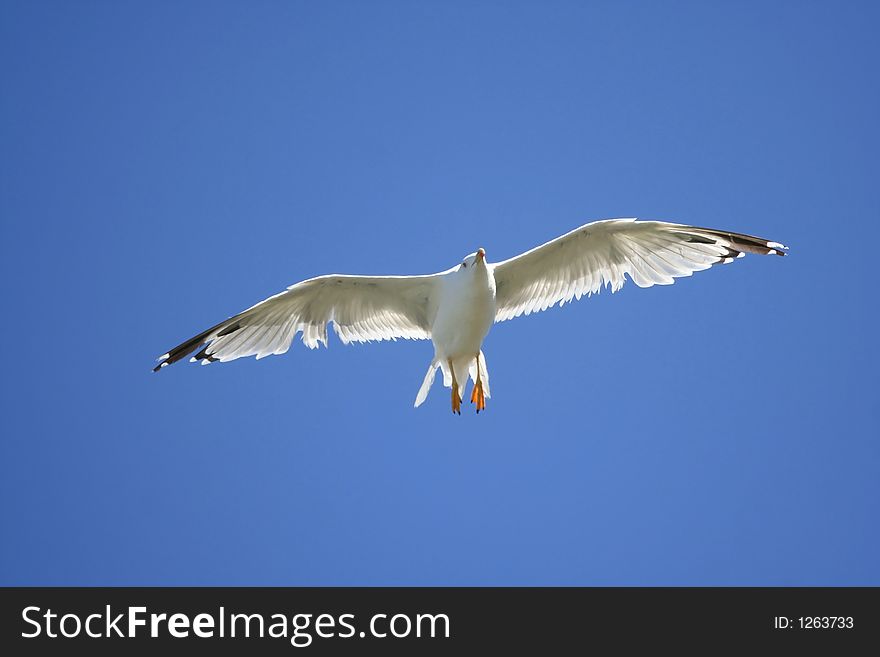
[427,383]
[461,366]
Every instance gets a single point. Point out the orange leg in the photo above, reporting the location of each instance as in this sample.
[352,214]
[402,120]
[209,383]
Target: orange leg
[477,395]
[456,400]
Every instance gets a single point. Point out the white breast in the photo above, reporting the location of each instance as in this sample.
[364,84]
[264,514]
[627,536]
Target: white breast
[465,313]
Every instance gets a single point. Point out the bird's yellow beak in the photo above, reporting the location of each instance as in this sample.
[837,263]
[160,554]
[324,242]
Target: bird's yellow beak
[481,253]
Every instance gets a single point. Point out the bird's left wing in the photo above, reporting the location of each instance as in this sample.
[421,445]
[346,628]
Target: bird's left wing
[362,309]
[602,253]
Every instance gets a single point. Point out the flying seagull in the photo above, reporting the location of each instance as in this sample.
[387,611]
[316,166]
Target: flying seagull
[456,308]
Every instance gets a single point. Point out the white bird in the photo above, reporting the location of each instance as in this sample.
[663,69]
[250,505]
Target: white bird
[456,308]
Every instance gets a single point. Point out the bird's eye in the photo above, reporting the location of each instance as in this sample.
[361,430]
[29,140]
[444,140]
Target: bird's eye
[464,264]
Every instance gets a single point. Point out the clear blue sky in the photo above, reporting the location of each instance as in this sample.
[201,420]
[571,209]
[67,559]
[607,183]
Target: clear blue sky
[165,165]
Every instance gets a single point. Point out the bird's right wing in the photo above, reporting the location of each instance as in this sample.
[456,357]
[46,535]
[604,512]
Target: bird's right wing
[605,252]
[362,309]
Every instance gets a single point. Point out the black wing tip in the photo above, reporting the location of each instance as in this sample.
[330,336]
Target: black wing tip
[197,342]
[178,353]
[775,248]
[739,243]
[164,360]
[204,355]
[232,328]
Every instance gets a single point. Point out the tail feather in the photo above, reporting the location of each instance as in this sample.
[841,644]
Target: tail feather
[464,368]
[427,383]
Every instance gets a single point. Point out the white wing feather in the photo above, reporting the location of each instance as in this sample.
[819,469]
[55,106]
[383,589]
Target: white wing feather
[362,309]
[603,253]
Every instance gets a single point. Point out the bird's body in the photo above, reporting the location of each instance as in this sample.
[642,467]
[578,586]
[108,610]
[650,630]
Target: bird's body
[465,298]
[465,310]
[456,308]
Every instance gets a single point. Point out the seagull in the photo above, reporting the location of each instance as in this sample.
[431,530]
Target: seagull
[456,308]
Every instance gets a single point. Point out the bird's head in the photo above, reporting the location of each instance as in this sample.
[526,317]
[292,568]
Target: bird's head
[473,260]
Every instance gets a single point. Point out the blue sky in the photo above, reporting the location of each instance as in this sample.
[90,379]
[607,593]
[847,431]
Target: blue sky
[167,165]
